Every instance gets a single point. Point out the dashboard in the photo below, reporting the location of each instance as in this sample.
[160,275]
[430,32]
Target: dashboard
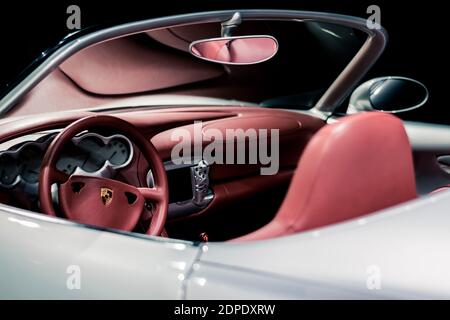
[201,196]
[94,154]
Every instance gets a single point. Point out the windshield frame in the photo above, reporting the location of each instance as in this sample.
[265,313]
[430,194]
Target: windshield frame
[330,100]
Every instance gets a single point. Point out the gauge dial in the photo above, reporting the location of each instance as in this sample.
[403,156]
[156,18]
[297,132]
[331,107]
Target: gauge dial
[90,154]
[94,148]
[117,151]
[71,158]
[29,163]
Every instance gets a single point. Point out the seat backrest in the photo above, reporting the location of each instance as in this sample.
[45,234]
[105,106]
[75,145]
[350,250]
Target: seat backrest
[358,165]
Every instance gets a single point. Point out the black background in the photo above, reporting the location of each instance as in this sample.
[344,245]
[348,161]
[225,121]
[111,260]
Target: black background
[417,45]
[284,309]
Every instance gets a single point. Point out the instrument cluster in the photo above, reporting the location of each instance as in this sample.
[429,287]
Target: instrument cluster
[87,154]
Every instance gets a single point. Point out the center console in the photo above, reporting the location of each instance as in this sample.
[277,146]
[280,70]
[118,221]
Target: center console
[189,190]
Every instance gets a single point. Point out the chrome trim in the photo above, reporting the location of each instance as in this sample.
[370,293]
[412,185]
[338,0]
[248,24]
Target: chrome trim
[108,169]
[15,153]
[32,137]
[200,183]
[227,27]
[341,87]
[150,179]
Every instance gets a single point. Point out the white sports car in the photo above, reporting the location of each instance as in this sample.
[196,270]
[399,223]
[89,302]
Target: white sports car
[221,155]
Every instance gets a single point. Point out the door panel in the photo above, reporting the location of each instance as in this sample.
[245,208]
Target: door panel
[46,258]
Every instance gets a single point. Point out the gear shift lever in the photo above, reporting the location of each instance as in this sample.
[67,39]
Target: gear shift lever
[200,175]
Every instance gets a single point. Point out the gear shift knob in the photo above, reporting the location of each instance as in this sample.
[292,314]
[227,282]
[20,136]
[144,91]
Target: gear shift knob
[200,174]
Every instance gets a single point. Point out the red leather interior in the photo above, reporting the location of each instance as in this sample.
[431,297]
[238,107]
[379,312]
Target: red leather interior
[356,166]
[296,129]
[157,63]
[134,67]
[238,188]
[239,207]
[181,37]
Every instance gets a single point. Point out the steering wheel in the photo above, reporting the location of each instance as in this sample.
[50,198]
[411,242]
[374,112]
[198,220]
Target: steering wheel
[100,201]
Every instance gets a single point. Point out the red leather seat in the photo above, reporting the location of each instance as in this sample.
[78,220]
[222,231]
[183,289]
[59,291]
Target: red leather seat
[356,166]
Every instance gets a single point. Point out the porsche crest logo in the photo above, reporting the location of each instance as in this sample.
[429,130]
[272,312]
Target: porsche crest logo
[106,195]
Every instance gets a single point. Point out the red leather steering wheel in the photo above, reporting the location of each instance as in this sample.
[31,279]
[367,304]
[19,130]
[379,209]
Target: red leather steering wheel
[100,201]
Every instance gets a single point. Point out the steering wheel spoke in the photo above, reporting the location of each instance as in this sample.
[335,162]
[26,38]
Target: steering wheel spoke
[152,194]
[59,176]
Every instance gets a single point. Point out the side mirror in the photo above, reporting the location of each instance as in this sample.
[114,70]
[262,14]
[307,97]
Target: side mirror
[388,94]
[239,50]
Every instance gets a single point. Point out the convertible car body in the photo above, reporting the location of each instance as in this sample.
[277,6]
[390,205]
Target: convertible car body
[102,198]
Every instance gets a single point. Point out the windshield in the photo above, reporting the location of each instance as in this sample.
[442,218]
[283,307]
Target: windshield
[156,67]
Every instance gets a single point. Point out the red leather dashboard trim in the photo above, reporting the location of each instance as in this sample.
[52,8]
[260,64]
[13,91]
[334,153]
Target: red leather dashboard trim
[153,120]
[286,125]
